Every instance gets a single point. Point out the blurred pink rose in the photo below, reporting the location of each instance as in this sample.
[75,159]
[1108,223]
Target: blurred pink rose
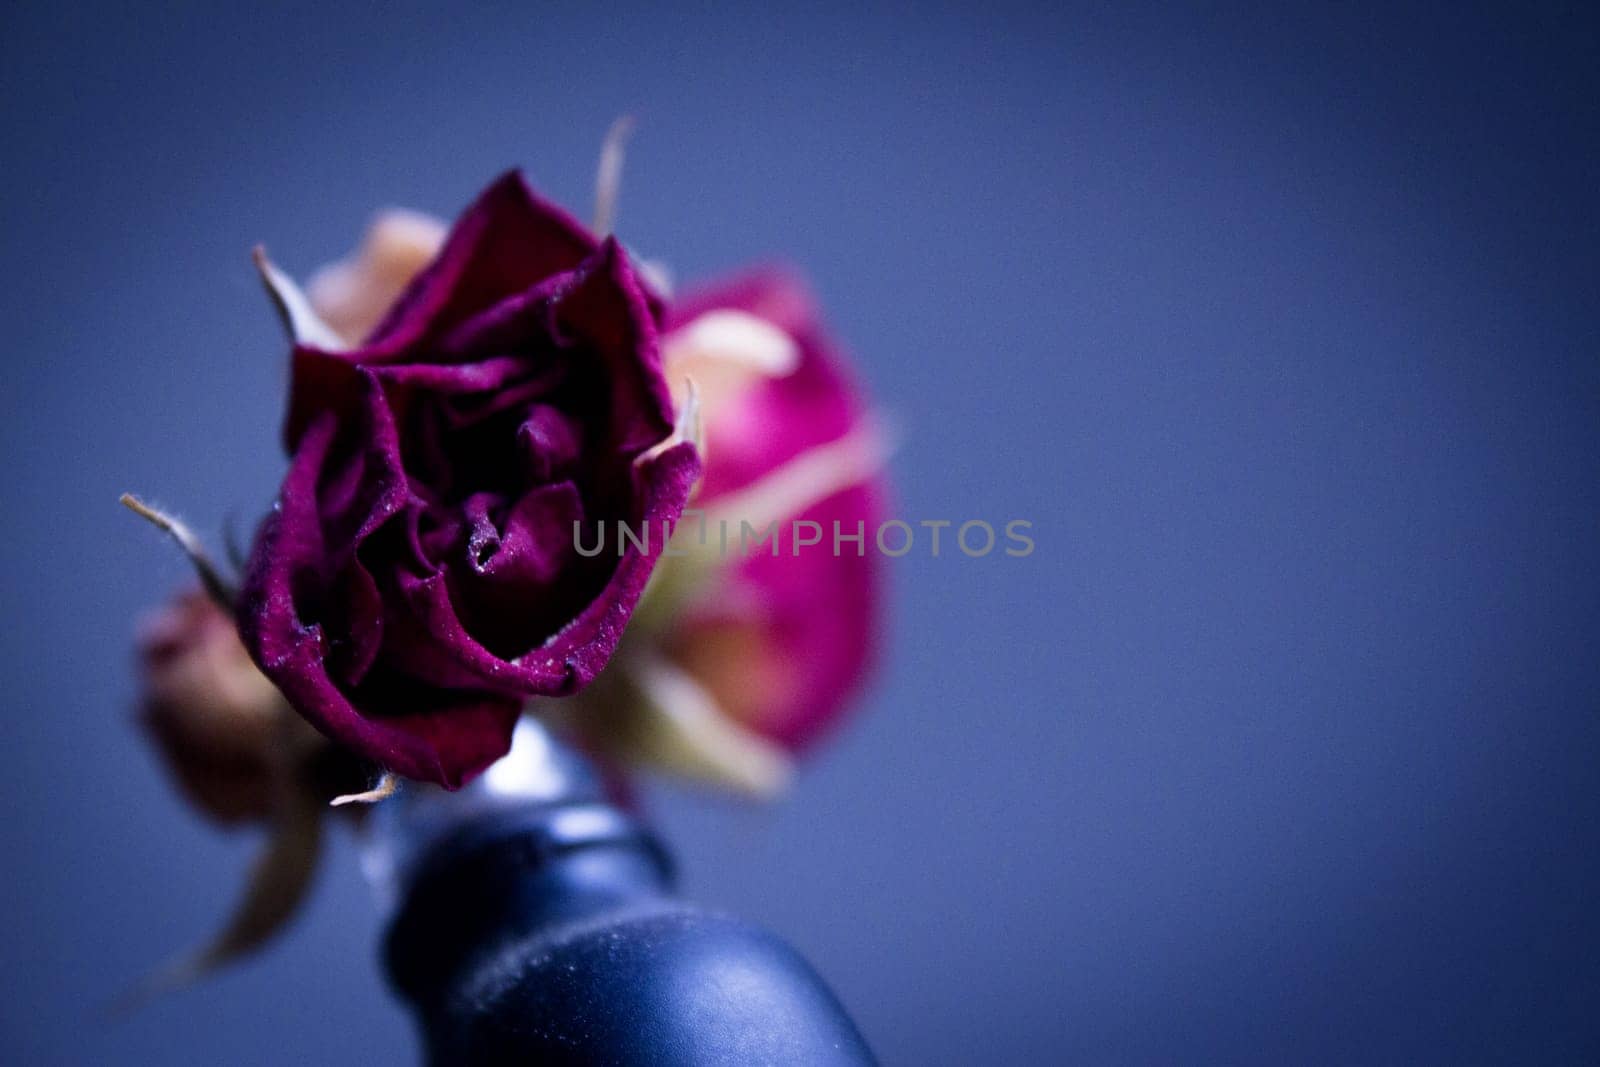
[784,641]
[739,658]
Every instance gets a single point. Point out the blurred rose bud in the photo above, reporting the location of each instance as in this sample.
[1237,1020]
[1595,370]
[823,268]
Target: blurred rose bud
[217,721]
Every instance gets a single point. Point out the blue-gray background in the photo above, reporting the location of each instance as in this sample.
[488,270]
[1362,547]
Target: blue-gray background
[1281,330]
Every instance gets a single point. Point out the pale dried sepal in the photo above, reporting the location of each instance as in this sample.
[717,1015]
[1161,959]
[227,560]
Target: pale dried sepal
[388,785]
[300,319]
[608,175]
[220,589]
[687,427]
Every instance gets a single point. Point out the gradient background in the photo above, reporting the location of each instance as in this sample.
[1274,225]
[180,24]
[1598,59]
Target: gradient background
[1281,329]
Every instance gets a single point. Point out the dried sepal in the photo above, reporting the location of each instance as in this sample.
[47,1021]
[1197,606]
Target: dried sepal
[221,589]
[608,175]
[387,786]
[686,427]
[300,319]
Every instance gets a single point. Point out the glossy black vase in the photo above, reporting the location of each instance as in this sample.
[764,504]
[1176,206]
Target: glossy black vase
[543,930]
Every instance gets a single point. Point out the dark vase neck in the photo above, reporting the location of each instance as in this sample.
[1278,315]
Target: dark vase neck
[537,925]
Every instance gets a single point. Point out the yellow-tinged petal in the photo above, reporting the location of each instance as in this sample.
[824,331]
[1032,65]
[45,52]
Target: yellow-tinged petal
[353,294]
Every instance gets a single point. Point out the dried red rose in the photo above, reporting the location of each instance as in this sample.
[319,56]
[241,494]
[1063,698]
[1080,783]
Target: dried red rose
[418,578]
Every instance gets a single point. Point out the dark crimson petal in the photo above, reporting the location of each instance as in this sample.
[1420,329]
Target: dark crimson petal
[603,307]
[608,309]
[440,648]
[359,591]
[509,240]
[535,546]
[549,441]
[444,736]
[588,641]
[487,376]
